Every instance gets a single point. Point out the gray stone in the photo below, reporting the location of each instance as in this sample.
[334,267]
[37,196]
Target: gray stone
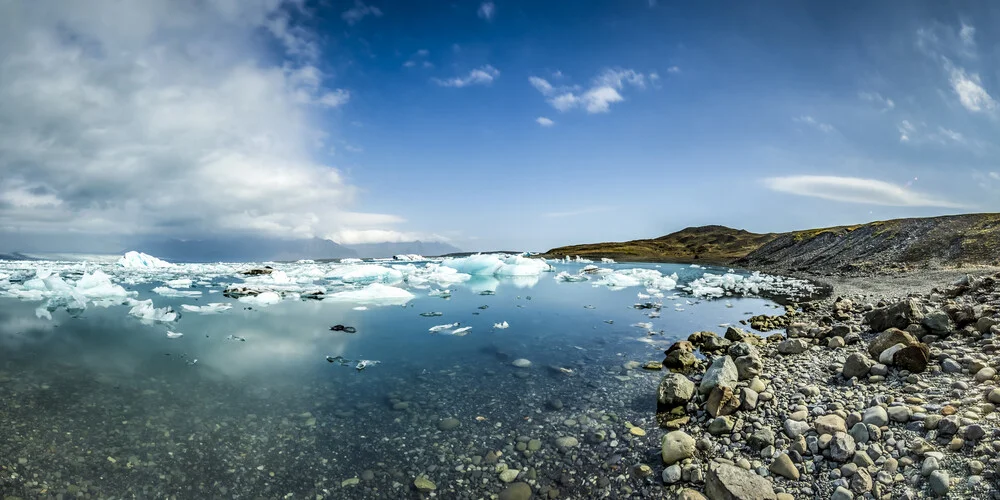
[721,373]
[830,424]
[672,474]
[675,390]
[985,374]
[748,399]
[516,491]
[859,432]
[950,366]
[567,442]
[447,424]
[940,482]
[861,482]
[761,439]
[748,367]
[842,447]
[899,414]
[795,428]
[930,465]
[783,466]
[876,416]
[793,346]
[857,365]
[899,315]
[888,339]
[937,322]
[728,482]
[842,493]
[676,446]
[721,425]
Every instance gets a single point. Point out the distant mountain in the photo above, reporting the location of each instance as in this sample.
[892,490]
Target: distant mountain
[243,249]
[382,250]
[15,256]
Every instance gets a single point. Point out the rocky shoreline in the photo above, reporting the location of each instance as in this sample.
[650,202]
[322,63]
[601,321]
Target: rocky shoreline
[859,395]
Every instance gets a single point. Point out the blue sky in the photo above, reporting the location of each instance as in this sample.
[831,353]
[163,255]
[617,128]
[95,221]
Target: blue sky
[495,124]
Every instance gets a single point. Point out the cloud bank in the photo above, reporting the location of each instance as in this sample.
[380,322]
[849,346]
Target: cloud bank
[855,190]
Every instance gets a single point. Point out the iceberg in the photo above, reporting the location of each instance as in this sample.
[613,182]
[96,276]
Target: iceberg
[374,294]
[441,328]
[497,265]
[714,285]
[261,299]
[570,278]
[501,326]
[365,273]
[144,310]
[97,286]
[174,335]
[212,308]
[409,257]
[133,259]
[166,291]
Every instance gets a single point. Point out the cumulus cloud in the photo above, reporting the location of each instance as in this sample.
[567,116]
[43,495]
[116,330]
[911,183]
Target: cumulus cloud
[812,122]
[604,90]
[361,10]
[487,10]
[855,190]
[160,117]
[479,76]
[970,91]
[545,122]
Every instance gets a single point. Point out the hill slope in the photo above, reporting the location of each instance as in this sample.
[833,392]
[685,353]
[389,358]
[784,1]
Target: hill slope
[705,244]
[920,242]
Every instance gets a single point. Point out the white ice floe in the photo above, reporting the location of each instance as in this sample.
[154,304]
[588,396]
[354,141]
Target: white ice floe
[179,283]
[648,278]
[605,260]
[716,285]
[351,261]
[644,326]
[497,265]
[211,308]
[441,328]
[166,291]
[459,332]
[174,335]
[374,294]
[365,273]
[409,257]
[144,310]
[501,326]
[133,259]
[439,293]
[570,278]
[261,299]
[360,308]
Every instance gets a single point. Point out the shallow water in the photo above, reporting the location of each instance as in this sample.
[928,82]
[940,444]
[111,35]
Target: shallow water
[105,405]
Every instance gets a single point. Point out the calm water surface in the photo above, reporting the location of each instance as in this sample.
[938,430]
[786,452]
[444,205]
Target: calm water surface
[246,405]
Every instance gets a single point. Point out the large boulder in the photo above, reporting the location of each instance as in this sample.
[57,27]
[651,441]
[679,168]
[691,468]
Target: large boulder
[680,356]
[721,373]
[675,390]
[913,358]
[722,401]
[676,446]
[889,338]
[748,367]
[857,365]
[899,315]
[938,323]
[793,346]
[728,482]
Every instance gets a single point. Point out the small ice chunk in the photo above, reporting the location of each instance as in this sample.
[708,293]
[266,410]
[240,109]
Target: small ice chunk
[441,328]
[461,331]
[439,293]
[166,291]
[644,326]
[261,299]
[570,278]
[374,294]
[211,308]
[360,308]
[179,283]
[174,335]
[501,326]
[144,310]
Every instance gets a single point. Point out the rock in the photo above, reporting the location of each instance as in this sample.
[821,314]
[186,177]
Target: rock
[888,339]
[728,482]
[984,324]
[899,413]
[721,373]
[795,428]
[521,363]
[675,390]
[861,482]
[985,374]
[748,399]
[680,356]
[761,439]
[830,424]
[888,354]
[994,396]
[930,465]
[937,322]
[950,366]
[509,475]
[948,425]
[722,401]
[676,446]
[899,315]
[721,425]
[836,342]
[447,424]
[842,493]
[516,491]
[913,358]
[424,485]
[860,433]
[857,365]
[842,447]
[749,366]
[672,474]
[567,442]
[689,494]
[793,346]
[940,482]
[734,334]
[652,365]
[783,466]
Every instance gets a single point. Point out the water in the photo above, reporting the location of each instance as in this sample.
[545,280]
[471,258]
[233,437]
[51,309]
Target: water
[245,404]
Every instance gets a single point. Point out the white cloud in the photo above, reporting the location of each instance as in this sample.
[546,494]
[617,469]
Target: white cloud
[487,10]
[875,97]
[163,118]
[995,175]
[480,76]
[855,190]
[598,98]
[674,69]
[967,34]
[812,122]
[906,131]
[951,135]
[360,11]
[970,91]
[358,237]
[545,122]
[419,58]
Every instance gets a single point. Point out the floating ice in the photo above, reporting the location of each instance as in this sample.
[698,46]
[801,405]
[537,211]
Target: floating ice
[441,328]
[144,310]
[644,326]
[365,273]
[179,283]
[715,285]
[174,335]
[605,260]
[439,293]
[351,261]
[501,326]
[166,291]
[133,259]
[497,265]
[374,294]
[460,332]
[212,308]
[570,278]
[261,299]
[360,308]
[409,257]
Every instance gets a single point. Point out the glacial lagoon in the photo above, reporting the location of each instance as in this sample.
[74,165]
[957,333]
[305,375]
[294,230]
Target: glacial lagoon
[105,395]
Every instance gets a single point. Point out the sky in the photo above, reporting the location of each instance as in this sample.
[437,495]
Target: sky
[489,125]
